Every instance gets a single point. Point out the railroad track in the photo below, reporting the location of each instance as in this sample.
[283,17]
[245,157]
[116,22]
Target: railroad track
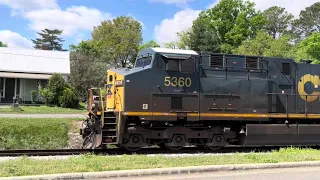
[118,151]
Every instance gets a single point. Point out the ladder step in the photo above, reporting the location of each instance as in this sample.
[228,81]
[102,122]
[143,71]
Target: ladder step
[110,123]
[110,117]
[109,136]
[106,130]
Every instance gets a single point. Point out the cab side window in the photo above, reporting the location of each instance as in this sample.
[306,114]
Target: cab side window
[181,65]
[160,63]
[187,66]
[173,65]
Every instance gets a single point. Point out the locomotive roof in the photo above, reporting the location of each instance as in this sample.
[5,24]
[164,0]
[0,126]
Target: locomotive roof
[175,51]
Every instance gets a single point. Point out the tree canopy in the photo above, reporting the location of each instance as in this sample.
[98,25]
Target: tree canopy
[3,44]
[49,39]
[265,45]
[118,40]
[309,48]
[235,26]
[308,22]
[277,21]
[148,44]
[225,26]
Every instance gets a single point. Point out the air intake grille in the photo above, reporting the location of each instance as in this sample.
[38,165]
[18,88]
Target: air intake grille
[252,62]
[217,60]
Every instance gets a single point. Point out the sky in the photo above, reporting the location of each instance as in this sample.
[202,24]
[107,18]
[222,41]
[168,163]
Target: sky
[160,19]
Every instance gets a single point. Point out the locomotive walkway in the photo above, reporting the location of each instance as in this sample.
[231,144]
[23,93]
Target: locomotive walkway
[297,170]
[42,115]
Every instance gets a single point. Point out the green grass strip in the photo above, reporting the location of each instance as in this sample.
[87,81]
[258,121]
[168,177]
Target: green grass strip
[94,163]
[41,110]
[29,133]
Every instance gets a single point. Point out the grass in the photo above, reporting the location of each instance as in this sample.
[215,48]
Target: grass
[93,163]
[30,133]
[42,110]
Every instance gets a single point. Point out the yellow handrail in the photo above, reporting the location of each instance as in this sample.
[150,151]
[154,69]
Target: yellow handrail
[102,107]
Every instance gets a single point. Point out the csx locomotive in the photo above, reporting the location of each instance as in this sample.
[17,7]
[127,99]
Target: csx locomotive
[175,98]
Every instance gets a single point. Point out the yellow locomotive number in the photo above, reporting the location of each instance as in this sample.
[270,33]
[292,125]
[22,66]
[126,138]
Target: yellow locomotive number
[175,81]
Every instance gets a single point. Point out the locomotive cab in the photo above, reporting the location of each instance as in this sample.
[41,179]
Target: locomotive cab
[161,83]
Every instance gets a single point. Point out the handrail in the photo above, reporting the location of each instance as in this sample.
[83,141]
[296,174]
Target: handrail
[287,95]
[102,107]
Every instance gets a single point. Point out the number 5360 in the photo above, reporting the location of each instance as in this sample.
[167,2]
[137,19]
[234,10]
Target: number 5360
[175,81]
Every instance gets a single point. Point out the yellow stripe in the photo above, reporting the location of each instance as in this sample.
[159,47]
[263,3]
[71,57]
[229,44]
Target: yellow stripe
[226,115]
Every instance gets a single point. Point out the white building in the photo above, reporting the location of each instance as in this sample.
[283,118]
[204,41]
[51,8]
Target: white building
[22,70]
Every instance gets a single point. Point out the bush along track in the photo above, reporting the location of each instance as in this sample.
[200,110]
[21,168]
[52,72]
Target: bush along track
[29,133]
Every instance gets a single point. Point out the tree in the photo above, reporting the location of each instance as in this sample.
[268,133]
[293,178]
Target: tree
[256,46]
[87,69]
[281,48]
[184,39]
[202,37]
[308,22]
[49,39]
[171,45]
[148,44]
[227,24]
[182,43]
[265,45]
[3,45]
[309,48]
[277,20]
[118,40]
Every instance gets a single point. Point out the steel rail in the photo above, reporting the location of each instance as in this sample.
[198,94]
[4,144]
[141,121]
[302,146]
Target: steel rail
[145,151]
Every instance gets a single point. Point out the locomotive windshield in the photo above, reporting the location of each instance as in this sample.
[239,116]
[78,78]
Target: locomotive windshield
[143,61]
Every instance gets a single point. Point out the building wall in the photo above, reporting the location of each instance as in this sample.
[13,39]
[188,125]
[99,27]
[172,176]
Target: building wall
[28,85]
[24,69]
[34,61]
[9,90]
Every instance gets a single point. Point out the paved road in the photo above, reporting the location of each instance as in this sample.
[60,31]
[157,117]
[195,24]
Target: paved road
[42,116]
[274,174]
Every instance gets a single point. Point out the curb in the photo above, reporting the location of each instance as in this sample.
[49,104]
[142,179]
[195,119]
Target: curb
[166,171]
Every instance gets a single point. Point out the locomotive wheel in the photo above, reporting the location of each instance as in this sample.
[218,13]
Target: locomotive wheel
[214,148]
[174,148]
[177,139]
[218,143]
[132,149]
[134,139]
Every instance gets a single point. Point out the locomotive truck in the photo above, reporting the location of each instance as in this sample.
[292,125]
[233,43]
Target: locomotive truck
[176,98]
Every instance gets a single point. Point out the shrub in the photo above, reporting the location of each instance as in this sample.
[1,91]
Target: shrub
[69,99]
[33,96]
[56,86]
[46,94]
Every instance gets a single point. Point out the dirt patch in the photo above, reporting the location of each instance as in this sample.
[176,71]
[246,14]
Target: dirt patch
[75,139]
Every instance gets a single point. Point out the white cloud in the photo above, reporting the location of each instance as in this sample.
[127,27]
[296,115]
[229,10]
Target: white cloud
[71,20]
[15,40]
[29,4]
[168,29]
[292,6]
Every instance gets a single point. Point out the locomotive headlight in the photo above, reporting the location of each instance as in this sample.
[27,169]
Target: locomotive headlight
[119,83]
